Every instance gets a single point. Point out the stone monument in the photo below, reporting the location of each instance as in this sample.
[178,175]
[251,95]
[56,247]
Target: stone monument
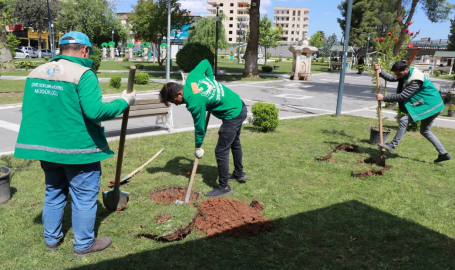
[301,63]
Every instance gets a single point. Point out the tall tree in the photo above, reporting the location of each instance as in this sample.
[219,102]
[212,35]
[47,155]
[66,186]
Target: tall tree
[251,53]
[317,39]
[204,32]
[95,18]
[33,14]
[149,20]
[6,18]
[435,10]
[268,37]
[374,17]
[451,46]
[329,42]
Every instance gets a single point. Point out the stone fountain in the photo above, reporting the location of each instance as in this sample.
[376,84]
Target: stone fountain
[301,63]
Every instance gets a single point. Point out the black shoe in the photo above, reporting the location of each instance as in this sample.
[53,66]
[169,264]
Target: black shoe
[234,177]
[388,147]
[56,246]
[219,191]
[444,157]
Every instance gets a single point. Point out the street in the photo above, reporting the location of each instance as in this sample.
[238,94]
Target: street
[294,99]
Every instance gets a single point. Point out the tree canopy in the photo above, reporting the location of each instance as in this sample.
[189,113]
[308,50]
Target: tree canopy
[149,20]
[204,32]
[268,37]
[317,39]
[6,18]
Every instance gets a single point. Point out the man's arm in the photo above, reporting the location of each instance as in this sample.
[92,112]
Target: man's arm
[198,113]
[205,68]
[388,77]
[407,92]
[91,100]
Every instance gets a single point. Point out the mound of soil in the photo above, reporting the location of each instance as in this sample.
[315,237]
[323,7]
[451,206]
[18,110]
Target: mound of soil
[341,147]
[171,194]
[372,172]
[221,216]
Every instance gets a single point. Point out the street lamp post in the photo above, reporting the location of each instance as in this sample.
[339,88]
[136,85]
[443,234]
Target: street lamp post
[368,45]
[240,32]
[51,34]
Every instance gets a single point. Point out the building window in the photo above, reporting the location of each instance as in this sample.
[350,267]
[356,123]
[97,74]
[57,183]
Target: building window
[221,11]
[292,32]
[292,39]
[231,25]
[221,4]
[231,18]
[293,26]
[232,4]
[230,32]
[230,39]
[293,18]
[293,13]
[288,12]
[287,19]
[298,13]
[298,25]
[297,32]
[231,12]
[286,32]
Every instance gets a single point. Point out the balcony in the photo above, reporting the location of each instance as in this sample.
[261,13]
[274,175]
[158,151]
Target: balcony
[212,2]
[211,8]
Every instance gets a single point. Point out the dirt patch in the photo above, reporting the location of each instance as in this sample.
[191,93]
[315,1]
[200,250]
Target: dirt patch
[341,147]
[172,194]
[372,172]
[179,234]
[221,216]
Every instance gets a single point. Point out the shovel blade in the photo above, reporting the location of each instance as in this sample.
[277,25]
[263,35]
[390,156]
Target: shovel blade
[380,160]
[115,200]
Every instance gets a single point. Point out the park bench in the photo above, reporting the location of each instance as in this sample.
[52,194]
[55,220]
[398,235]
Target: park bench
[446,88]
[442,69]
[151,107]
[334,65]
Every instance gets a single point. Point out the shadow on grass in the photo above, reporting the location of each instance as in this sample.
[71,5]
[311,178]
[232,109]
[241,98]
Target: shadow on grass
[16,165]
[101,214]
[348,235]
[183,166]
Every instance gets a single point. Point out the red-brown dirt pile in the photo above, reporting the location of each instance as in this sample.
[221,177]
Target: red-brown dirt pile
[221,216]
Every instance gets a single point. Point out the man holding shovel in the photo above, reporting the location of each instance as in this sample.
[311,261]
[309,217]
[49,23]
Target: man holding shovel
[62,112]
[419,99]
[203,93]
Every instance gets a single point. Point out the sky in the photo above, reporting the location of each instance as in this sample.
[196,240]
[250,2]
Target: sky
[323,15]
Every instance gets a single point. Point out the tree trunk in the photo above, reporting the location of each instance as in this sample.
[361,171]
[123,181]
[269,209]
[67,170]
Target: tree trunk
[251,53]
[400,22]
[39,43]
[265,61]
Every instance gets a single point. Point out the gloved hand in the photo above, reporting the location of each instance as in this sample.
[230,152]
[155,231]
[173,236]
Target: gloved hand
[199,152]
[129,98]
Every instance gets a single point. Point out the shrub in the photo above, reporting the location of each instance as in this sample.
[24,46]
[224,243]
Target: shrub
[265,116]
[242,50]
[141,78]
[47,58]
[437,73]
[12,42]
[27,65]
[267,68]
[96,59]
[192,54]
[139,66]
[233,54]
[278,60]
[126,59]
[288,59]
[222,57]
[115,82]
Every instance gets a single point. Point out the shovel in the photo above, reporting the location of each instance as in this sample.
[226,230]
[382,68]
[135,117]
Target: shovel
[126,178]
[380,160]
[193,173]
[116,200]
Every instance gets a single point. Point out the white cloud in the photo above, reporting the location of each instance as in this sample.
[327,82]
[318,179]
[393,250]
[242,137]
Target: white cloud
[264,4]
[195,6]
[327,13]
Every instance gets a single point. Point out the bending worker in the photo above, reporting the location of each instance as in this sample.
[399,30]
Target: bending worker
[203,93]
[419,99]
[61,126]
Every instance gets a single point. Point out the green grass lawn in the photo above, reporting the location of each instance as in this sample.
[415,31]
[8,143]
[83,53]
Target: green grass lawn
[12,91]
[325,218]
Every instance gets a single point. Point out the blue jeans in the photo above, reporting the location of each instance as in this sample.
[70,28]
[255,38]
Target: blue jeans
[425,130]
[83,182]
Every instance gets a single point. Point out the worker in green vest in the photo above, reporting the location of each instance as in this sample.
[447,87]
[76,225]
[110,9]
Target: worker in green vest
[62,114]
[419,99]
[203,93]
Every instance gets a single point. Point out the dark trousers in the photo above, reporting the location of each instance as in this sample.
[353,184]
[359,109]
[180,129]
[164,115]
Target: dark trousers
[229,139]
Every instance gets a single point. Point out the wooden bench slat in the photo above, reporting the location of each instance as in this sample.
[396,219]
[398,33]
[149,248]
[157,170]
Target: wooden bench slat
[148,106]
[150,112]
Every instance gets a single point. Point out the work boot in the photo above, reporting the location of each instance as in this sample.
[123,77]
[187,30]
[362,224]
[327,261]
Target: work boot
[442,158]
[388,147]
[240,177]
[219,191]
[56,246]
[99,245]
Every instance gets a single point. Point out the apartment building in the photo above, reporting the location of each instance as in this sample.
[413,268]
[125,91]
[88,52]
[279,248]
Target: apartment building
[294,21]
[237,15]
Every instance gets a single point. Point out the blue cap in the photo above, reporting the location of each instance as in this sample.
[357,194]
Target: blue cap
[78,38]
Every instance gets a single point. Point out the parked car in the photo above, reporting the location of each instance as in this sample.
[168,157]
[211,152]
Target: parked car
[46,53]
[20,54]
[32,52]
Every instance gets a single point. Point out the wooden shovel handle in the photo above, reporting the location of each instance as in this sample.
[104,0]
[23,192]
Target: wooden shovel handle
[378,85]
